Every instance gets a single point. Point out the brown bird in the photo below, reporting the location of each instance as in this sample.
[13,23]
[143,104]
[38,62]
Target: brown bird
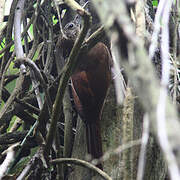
[90,83]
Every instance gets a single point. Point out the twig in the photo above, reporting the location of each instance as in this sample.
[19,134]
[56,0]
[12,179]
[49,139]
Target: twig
[24,172]
[175,49]
[49,59]
[120,84]
[17,33]
[94,38]
[19,54]
[127,134]
[18,122]
[26,46]
[142,158]
[22,35]
[36,38]
[59,17]
[31,54]
[12,137]
[68,130]
[3,75]
[161,107]
[31,164]
[38,76]
[12,97]
[21,146]
[75,6]
[2,35]
[8,34]
[120,149]
[28,106]
[9,158]
[6,47]
[140,18]
[154,40]
[175,78]
[83,164]
[68,126]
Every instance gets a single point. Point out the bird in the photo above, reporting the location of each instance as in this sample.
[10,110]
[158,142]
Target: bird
[89,84]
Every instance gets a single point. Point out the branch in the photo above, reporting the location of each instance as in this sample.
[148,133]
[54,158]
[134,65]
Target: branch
[127,133]
[13,137]
[17,33]
[22,36]
[38,76]
[19,54]
[8,34]
[36,161]
[9,158]
[14,94]
[142,154]
[83,164]
[162,105]
[3,75]
[68,129]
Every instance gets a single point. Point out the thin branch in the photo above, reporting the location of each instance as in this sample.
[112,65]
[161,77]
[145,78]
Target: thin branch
[49,59]
[127,134]
[22,35]
[14,94]
[39,77]
[154,40]
[8,37]
[83,164]
[31,164]
[19,54]
[75,6]
[3,75]
[161,107]
[21,147]
[68,127]
[120,149]
[59,17]
[9,158]
[142,155]
[120,84]
[175,50]
[12,137]
[68,130]
[17,33]
[140,18]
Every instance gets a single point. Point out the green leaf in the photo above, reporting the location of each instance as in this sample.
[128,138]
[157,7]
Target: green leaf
[155,3]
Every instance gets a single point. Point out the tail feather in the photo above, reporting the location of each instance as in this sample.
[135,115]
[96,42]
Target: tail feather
[94,143]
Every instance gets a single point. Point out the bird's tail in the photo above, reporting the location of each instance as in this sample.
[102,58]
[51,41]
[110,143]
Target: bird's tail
[94,143]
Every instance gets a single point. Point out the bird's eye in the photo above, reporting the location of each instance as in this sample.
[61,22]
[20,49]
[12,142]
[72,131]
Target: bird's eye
[71,25]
